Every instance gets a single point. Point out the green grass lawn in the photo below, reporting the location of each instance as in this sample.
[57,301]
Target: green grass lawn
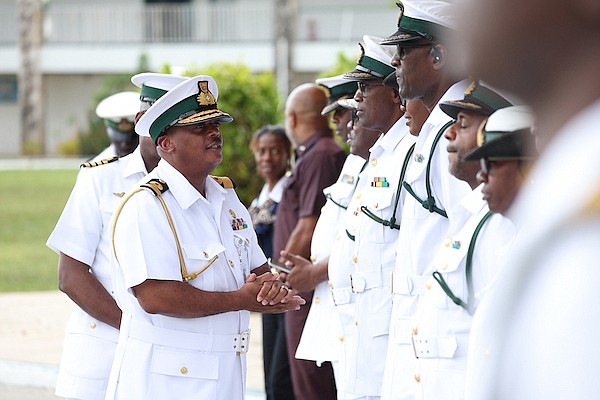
[30,203]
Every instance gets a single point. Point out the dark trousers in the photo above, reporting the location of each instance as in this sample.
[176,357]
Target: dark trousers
[278,381]
[309,381]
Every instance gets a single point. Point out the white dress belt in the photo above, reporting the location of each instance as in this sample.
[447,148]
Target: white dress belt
[362,281]
[189,340]
[440,347]
[409,284]
[341,296]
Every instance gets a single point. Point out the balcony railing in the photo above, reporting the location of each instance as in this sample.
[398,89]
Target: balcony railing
[240,21]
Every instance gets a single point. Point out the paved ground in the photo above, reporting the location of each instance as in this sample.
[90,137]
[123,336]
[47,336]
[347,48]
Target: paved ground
[31,333]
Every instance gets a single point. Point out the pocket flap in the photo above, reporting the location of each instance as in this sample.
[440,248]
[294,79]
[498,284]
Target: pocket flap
[185,365]
[379,198]
[202,251]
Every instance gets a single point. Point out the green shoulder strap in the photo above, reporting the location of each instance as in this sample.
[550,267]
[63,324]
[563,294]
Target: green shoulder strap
[429,203]
[468,272]
[392,222]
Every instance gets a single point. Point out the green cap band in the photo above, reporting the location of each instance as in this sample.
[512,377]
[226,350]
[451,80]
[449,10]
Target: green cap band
[338,91]
[173,113]
[121,126]
[374,65]
[424,27]
[149,92]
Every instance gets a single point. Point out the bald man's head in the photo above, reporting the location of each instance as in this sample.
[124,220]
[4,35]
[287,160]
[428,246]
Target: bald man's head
[303,112]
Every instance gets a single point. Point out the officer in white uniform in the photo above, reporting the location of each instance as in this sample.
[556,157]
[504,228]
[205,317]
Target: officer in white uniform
[188,255]
[118,113]
[322,329]
[338,88]
[380,203]
[506,139]
[82,240]
[420,42]
[465,263]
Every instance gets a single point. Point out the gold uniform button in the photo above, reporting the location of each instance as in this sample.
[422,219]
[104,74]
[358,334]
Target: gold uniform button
[183,370]
[356,322]
[374,162]
[447,242]
[317,300]
[358,196]
[338,237]
[415,330]
[205,255]
[341,338]
[428,285]
[417,378]
[313,259]
[231,264]
[93,325]
[354,259]
[444,267]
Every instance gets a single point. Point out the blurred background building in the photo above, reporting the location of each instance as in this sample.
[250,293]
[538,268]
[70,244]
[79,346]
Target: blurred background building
[54,54]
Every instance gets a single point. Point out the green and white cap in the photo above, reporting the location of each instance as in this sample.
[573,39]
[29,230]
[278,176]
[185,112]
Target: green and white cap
[506,135]
[375,60]
[193,101]
[118,113]
[477,98]
[153,86]
[337,88]
[432,20]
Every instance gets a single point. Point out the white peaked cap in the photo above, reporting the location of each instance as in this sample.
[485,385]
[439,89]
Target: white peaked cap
[118,106]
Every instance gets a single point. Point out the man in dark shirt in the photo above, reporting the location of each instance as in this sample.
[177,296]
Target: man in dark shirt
[319,160]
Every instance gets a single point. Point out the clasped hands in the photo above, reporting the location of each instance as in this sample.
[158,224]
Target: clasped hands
[273,293]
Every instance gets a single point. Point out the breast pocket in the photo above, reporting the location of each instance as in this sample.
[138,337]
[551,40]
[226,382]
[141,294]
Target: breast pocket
[107,206]
[199,259]
[378,209]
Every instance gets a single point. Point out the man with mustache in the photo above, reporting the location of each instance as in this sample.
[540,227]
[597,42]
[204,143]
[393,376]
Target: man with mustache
[188,257]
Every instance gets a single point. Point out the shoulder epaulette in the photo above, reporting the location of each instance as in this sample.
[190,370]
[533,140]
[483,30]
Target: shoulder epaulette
[224,181]
[158,186]
[101,162]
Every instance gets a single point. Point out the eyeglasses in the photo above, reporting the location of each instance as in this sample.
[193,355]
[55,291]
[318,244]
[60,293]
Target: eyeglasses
[402,50]
[364,87]
[485,165]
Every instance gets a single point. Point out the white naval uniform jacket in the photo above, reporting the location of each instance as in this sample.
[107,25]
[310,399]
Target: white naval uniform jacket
[83,233]
[161,357]
[322,329]
[420,235]
[441,329]
[374,258]
[535,335]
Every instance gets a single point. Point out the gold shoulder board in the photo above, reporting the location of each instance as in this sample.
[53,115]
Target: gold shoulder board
[224,181]
[101,162]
